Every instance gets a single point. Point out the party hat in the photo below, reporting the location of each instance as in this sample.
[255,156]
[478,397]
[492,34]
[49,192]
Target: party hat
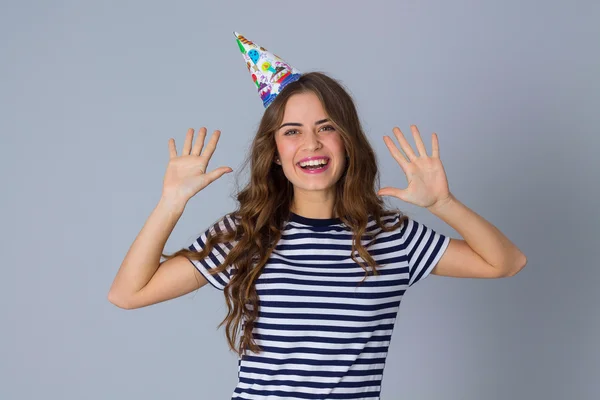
[269,72]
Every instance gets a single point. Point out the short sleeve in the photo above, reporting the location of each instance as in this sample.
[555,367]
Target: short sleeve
[217,255]
[424,247]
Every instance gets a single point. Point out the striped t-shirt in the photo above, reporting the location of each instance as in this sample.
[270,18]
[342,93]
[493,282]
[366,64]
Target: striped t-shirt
[324,335]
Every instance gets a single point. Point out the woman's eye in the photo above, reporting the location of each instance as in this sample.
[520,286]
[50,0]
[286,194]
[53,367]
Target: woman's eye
[330,128]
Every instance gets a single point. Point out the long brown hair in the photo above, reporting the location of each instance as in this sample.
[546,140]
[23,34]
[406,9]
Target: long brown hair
[264,203]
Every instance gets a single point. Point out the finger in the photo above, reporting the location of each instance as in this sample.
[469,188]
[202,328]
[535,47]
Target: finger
[199,142]
[172,149]
[435,146]
[187,144]
[397,154]
[390,191]
[217,173]
[212,145]
[418,141]
[404,143]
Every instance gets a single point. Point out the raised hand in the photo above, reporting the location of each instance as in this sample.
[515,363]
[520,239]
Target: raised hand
[186,174]
[427,182]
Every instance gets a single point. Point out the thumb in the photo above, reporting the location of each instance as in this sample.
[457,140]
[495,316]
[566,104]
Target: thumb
[217,173]
[390,191]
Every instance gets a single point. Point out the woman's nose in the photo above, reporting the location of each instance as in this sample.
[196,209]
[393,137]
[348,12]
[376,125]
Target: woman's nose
[312,141]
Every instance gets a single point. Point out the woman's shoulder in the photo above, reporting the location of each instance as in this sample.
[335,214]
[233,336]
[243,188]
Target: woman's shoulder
[393,217]
[227,222]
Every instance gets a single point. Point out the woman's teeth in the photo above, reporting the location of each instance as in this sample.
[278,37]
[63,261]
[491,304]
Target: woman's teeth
[314,164]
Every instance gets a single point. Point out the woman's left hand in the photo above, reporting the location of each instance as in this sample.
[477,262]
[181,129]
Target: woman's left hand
[427,182]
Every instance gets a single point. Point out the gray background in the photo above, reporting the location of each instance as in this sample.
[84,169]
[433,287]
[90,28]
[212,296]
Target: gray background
[90,93]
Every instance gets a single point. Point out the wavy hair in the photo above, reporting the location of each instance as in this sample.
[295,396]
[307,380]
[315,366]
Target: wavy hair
[264,204]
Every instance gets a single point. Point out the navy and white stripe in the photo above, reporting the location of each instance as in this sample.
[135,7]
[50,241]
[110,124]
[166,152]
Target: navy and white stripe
[217,254]
[324,335]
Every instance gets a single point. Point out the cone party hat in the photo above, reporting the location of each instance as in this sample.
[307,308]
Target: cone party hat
[269,72]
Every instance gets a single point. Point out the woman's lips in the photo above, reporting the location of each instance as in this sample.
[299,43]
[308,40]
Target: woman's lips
[315,171]
[313,159]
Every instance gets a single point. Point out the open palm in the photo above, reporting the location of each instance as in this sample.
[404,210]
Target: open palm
[427,182]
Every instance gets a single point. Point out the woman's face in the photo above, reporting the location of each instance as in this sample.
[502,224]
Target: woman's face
[306,132]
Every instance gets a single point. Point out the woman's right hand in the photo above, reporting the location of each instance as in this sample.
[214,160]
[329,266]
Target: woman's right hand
[186,174]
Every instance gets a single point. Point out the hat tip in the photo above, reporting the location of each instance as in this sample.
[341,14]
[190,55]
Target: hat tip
[236,34]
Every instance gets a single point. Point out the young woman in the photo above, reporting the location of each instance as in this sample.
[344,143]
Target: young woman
[312,266]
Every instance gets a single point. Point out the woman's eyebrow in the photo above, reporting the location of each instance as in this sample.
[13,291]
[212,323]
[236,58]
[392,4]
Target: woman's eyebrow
[321,121]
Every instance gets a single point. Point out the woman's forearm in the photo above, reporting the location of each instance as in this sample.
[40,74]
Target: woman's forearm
[143,258]
[483,237]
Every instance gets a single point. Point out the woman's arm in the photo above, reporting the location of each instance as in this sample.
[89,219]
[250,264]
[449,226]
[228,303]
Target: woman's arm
[485,253]
[139,281]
